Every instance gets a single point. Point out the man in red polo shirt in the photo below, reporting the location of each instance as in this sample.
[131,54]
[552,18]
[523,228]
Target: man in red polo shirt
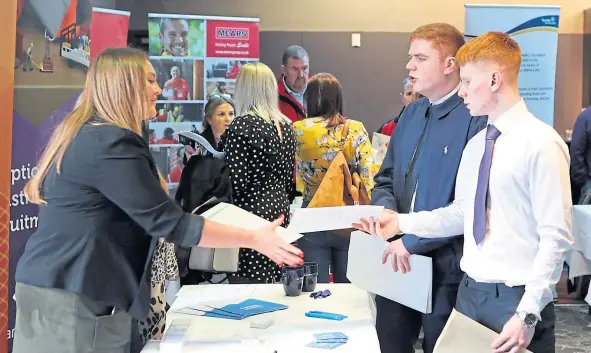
[295,72]
[176,89]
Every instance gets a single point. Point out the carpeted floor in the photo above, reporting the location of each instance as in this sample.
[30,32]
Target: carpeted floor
[573,329]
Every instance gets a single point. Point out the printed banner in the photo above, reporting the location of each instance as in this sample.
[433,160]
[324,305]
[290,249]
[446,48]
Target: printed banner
[49,69]
[49,72]
[535,28]
[109,30]
[195,58]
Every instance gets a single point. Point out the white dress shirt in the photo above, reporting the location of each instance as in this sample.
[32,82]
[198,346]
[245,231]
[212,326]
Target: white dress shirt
[529,215]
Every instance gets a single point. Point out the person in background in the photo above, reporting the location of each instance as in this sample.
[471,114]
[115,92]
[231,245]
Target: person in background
[419,173]
[176,165]
[152,137]
[514,206]
[162,114]
[85,274]
[234,70]
[407,96]
[219,90]
[176,115]
[295,72]
[260,150]
[174,37]
[319,139]
[580,155]
[167,137]
[219,114]
[176,89]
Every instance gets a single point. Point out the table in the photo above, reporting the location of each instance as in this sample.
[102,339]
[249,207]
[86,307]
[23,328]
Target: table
[291,331]
[578,257]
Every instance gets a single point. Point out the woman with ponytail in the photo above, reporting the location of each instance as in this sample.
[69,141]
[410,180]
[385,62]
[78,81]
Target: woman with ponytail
[85,275]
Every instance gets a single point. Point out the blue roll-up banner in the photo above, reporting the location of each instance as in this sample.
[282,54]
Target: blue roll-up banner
[535,28]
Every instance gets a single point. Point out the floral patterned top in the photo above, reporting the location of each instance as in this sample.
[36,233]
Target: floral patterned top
[317,145]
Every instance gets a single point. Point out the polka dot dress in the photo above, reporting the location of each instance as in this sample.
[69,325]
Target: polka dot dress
[262,173]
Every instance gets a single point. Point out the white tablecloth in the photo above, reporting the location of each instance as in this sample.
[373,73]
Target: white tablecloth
[579,257]
[291,331]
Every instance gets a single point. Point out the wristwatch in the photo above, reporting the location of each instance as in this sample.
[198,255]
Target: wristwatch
[528,319]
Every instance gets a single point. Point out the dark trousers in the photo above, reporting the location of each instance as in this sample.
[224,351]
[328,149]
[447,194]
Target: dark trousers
[493,304]
[53,320]
[398,326]
[326,248]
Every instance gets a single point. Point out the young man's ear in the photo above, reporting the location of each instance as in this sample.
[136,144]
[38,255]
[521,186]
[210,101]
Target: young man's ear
[495,82]
[450,65]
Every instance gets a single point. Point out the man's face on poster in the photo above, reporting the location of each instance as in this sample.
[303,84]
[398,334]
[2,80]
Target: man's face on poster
[174,36]
[175,72]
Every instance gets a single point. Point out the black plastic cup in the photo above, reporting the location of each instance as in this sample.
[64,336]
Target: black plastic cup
[293,280]
[310,276]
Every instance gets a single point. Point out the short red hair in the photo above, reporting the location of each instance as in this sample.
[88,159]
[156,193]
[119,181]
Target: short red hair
[496,47]
[445,38]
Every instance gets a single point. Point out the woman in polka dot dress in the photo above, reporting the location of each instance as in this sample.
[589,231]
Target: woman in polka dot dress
[260,152]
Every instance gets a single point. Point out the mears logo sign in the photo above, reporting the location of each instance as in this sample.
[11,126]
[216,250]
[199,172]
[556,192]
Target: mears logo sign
[231,33]
[229,39]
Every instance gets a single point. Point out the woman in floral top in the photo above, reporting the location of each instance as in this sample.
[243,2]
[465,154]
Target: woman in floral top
[319,139]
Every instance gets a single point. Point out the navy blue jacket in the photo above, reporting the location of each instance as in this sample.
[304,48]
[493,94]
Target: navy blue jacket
[580,149]
[450,129]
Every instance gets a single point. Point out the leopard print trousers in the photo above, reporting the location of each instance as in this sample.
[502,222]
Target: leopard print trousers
[164,268]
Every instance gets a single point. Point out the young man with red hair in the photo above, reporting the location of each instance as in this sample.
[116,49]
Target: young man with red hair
[513,205]
[418,173]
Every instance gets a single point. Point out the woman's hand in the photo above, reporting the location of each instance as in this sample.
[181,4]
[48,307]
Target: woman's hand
[266,241]
[190,151]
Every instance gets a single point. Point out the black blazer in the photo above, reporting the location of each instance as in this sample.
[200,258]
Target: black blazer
[105,211]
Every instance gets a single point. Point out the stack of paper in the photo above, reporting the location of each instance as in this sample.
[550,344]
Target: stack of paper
[329,340]
[239,311]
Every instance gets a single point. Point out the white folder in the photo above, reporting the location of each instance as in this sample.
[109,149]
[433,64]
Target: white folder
[307,220]
[229,214]
[366,271]
[464,335]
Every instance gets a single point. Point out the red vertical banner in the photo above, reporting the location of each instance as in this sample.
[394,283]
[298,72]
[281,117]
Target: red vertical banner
[232,39]
[8,17]
[108,30]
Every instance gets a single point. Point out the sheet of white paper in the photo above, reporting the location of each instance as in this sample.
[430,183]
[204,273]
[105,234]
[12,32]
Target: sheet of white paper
[306,220]
[379,143]
[464,335]
[366,271]
[232,215]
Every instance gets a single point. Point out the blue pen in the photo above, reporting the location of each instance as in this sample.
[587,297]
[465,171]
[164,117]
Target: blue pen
[325,315]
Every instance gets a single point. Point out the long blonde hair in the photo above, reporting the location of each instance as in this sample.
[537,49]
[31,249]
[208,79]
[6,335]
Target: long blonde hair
[256,93]
[116,91]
